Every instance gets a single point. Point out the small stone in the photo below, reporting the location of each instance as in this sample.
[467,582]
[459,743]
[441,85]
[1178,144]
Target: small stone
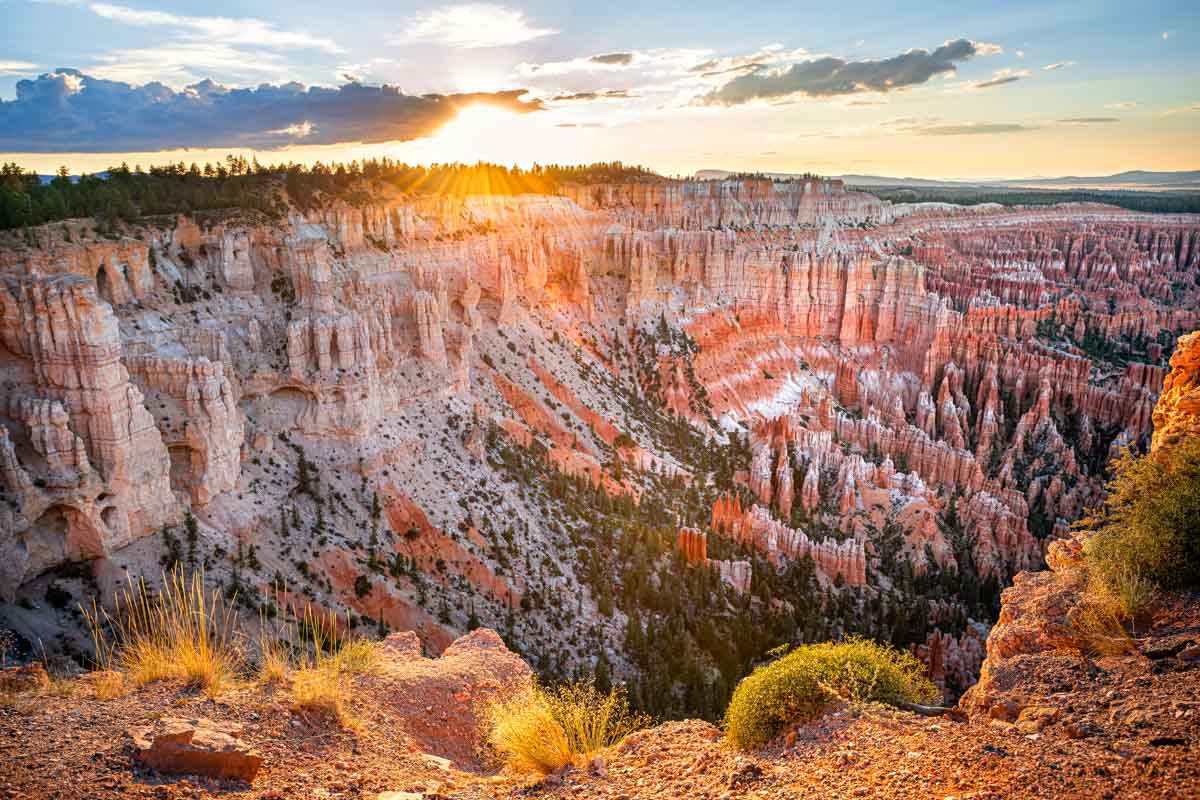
[1080,729]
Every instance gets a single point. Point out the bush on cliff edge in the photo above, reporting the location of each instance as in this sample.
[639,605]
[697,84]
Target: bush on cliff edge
[1146,537]
[799,684]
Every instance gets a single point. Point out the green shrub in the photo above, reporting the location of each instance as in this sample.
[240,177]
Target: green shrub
[1147,535]
[802,682]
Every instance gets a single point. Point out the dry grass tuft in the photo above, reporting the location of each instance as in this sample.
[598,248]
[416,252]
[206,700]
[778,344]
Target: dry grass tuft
[318,658]
[183,632]
[323,692]
[541,730]
[108,685]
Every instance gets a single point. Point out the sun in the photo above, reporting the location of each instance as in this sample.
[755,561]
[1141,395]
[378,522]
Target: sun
[483,132]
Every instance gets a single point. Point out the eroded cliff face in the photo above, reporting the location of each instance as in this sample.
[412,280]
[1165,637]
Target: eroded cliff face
[378,406]
[1037,612]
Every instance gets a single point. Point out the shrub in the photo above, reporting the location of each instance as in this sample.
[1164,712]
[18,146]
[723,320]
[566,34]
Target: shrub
[799,684]
[541,730]
[1146,537]
[183,632]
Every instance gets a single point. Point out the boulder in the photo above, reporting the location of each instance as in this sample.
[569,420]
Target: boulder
[174,745]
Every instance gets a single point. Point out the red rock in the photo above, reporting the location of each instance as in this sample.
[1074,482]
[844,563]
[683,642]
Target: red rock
[174,745]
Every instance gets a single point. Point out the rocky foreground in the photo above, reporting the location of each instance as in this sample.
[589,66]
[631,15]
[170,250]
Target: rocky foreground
[1068,726]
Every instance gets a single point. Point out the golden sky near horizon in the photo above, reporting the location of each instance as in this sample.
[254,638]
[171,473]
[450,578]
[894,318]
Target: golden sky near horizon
[1022,88]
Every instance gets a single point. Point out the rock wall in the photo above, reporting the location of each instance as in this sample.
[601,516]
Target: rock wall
[1036,611]
[84,460]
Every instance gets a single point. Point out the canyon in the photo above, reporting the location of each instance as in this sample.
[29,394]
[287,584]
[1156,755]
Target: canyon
[536,412]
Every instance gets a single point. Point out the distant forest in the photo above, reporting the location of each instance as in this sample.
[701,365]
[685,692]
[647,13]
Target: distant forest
[121,193]
[1153,202]
[129,194]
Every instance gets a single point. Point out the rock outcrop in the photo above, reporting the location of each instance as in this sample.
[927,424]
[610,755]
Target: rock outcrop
[97,474]
[1038,612]
[1177,415]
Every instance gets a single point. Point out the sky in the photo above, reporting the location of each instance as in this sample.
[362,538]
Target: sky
[953,90]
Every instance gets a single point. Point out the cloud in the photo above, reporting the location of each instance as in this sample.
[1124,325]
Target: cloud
[607,63]
[237,49]
[935,127]
[229,31]
[471,25]
[1183,109]
[976,128]
[1058,65]
[1000,77]
[1087,120]
[619,59]
[16,67]
[69,112]
[603,94]
[178,63]
[1121,106]
[768,56]
[828,76]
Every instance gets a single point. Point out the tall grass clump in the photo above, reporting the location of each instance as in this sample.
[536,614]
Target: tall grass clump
[540,730]
[181,632]
[799,684]
[1146,536]
[318,659]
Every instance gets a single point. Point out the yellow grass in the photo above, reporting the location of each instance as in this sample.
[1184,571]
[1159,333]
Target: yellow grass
[525,734]
[322,691]
[541,730]
[183,632]
[108,685]
[318,658]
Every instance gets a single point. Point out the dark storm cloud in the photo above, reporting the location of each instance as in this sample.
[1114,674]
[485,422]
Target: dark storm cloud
[827,77]
[613,59]
[67,111]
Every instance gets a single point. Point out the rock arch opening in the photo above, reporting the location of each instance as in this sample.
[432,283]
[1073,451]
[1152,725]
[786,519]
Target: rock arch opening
[46,543]
[181,466]
[103,288]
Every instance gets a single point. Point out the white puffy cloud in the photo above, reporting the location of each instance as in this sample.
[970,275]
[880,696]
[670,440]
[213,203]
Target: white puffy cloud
[471,25]
[230,31]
